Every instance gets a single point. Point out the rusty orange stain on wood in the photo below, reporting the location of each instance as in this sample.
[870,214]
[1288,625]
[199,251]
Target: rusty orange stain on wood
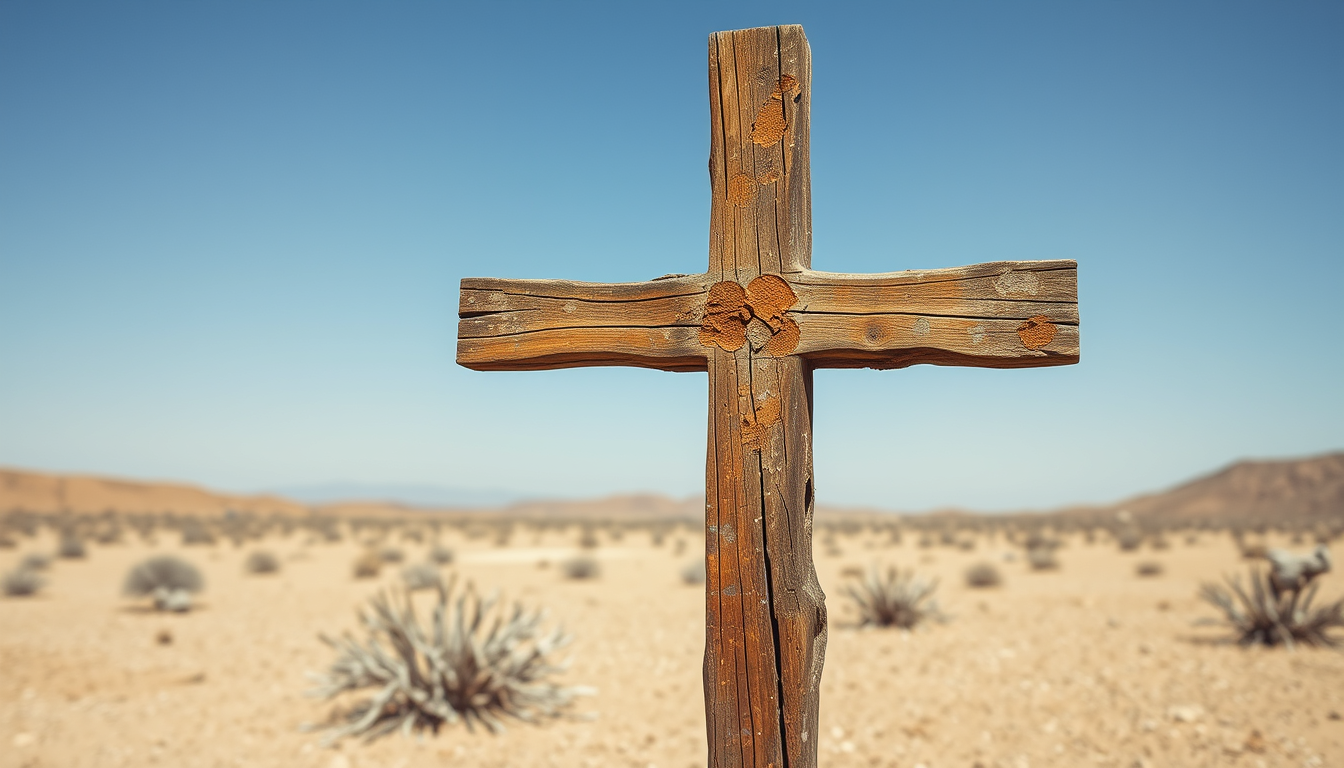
[726,317]
[1036,332]
[730,308]
[741,190]
[769,297]
[770,124]
[756,424]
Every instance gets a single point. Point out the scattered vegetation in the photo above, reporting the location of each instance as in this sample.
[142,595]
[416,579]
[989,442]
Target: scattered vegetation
[262,562]
[71,546]
[23,582]
[194,532]
[1042,559]
[693,572]
[1129,539]
[368,565]
[581,567]
[171,581]
[1149,569]
[420,576]
[475,663]
[441,555]
[391,555]
[35,561]
[983,575]
[894,599]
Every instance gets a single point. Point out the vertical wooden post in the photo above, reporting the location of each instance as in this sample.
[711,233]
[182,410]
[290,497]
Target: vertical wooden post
[765,611]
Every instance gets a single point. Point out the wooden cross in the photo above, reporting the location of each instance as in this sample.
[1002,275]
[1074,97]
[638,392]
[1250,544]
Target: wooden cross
[759,321]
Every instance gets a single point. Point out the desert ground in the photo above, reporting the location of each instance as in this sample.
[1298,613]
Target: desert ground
[1087,664]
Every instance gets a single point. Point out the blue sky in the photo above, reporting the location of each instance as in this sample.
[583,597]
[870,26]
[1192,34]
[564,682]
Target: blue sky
[231,236]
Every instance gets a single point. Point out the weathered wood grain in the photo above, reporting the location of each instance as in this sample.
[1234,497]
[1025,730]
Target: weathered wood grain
[540,324]
[765,618]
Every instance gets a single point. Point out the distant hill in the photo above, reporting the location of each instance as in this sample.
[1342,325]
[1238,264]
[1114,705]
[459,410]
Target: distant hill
[1291,489]
[1287,489]
[41,492]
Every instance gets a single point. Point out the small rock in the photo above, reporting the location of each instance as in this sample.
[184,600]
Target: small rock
[1256,743]
[164,637]
[1335,715]
[1187,713]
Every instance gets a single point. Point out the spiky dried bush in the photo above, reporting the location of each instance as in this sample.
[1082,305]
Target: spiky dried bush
[581,567]
[693,572]
[441,555]
[420,576]
[368,565]
[475,662]
[23,582]
[1265,615]
[1042,559]
[170,580]
[983,575]
[1149,569]
[262,562]
[894,599]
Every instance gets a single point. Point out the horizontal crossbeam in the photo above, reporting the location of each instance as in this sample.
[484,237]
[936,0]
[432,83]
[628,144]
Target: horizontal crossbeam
[1008,314]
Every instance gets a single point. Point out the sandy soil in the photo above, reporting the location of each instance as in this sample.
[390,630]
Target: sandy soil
[1087,665]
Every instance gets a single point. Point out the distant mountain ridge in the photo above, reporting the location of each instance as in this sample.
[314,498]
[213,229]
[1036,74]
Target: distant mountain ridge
[1291,489]
[1304,489]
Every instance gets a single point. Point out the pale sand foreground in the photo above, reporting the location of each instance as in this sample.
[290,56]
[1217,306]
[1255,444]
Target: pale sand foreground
[1088,665]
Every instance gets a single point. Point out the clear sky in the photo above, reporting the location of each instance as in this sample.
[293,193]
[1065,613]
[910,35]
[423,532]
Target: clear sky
[231,236]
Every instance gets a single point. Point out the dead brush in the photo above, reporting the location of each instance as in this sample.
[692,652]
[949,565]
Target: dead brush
[894,599]
[22,582]
[475,662]
[1264,615]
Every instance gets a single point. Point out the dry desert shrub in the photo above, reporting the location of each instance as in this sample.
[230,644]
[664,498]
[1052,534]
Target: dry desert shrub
[588,538]
[261,562]
[391,555]
[1149,569]
[368,565]
[894,599]
[1264,615]
[71,546]
[1042,559]
[420,576]
[35,561]
[7,542]
[581,567]
[475,662]
[1129,539]
[693,572]
[983,575]
[22,582]
[169,580]
[440,555]
[194,532]
[108,534]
